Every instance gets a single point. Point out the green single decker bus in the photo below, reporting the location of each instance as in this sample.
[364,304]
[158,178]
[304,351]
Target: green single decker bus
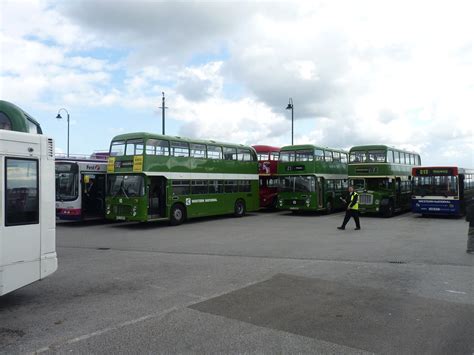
[154,177]
[382,176]
[311,178]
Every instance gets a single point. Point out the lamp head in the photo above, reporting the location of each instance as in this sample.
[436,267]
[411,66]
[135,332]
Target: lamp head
[289,107]
[58,116]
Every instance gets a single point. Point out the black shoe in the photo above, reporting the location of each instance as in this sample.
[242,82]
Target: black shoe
[341,228]
[357,228]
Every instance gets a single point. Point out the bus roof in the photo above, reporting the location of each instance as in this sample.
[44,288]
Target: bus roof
[309,146]
[17,118]
[147,135]
[265,148]
[379,147]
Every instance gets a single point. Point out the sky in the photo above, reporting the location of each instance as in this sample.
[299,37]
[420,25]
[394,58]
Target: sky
[399,73]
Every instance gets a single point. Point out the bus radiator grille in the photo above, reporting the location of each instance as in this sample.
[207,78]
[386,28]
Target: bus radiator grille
[366,199]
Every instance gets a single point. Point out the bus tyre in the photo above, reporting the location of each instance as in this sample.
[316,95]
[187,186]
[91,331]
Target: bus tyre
[239,208]
[177,214]
[389,211]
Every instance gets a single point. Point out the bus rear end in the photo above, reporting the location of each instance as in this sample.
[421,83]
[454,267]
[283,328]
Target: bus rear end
[68,203]
[436,191]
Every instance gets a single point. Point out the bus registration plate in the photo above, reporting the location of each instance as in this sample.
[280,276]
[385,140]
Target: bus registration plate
[120,218]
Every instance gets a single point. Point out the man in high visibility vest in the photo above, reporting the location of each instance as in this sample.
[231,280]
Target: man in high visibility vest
[352,209]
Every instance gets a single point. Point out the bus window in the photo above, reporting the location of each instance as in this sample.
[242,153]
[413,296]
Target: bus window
[134,147]
[179,149]
[197,150]
[180,187]
[304,155]
[263,156]
[244,155]
[230,153]
[357,157]
[402,158]
[287,156]
[318,155]
[244,186]
[199,187]
[214,152]
[274,155]
[343,158]
[389,156]
[336,156]
[157,147]
[67,181]
[231,186]
[376,156]
[32,127]
[327,155]
[117,148]
[5,122]
[216,186]
[21,197]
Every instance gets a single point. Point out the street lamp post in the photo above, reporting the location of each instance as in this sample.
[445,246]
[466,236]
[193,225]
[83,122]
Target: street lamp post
[290,107]
[163,108]
[59,117]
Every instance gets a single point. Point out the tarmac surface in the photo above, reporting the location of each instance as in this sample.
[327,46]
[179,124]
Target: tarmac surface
[265,283]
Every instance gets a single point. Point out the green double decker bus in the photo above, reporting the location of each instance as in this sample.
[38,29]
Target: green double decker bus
[382,176]
[154,177]
[311,178]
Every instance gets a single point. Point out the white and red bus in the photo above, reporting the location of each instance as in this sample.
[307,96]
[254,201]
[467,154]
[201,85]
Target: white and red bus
[27,224]
[80,188]
[267,169]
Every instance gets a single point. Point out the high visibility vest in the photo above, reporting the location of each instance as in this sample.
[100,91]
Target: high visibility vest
[356,206]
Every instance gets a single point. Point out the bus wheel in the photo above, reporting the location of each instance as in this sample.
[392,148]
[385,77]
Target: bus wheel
[329,207]
[239,208]
[389,211]
[177,214]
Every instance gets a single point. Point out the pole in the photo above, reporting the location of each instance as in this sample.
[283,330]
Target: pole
[68,134]
[163,112]
[292,125]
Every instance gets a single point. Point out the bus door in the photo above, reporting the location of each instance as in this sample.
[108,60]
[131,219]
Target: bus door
[157,197]
[93,195]
[320,191]
[21,233]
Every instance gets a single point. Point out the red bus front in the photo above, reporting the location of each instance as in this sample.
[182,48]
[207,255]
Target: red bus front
[267,165]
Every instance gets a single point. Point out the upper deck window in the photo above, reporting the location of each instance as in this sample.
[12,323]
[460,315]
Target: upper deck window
[287,156]
[304,155]
[318,155]
[358,156]
[117,148]
[197,150]
[396,157]
[244,155]
[389,156]
[230,153]
[179,149]
[134,147]
[336,156]
[157,147]
[343,158]
[5,122]
[214,152]
[328,155]
[376,156]
[263,156]
[274,155]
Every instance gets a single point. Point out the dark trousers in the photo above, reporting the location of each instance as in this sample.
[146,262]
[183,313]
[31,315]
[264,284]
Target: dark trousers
[351,213]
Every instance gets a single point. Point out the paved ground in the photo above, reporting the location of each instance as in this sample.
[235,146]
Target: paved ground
[269,282]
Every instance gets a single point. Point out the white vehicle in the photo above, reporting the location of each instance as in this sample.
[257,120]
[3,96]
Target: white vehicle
[80,188]
[27,226]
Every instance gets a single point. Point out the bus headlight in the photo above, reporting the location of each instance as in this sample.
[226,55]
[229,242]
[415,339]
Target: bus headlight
[377,202]
[134,211]
[107,209]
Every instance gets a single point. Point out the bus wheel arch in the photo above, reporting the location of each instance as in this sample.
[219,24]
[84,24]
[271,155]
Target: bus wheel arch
[177,214]
[239,208]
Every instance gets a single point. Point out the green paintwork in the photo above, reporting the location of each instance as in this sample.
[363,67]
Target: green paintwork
[18,118]
[196,205]
[323,196]
[395,175]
